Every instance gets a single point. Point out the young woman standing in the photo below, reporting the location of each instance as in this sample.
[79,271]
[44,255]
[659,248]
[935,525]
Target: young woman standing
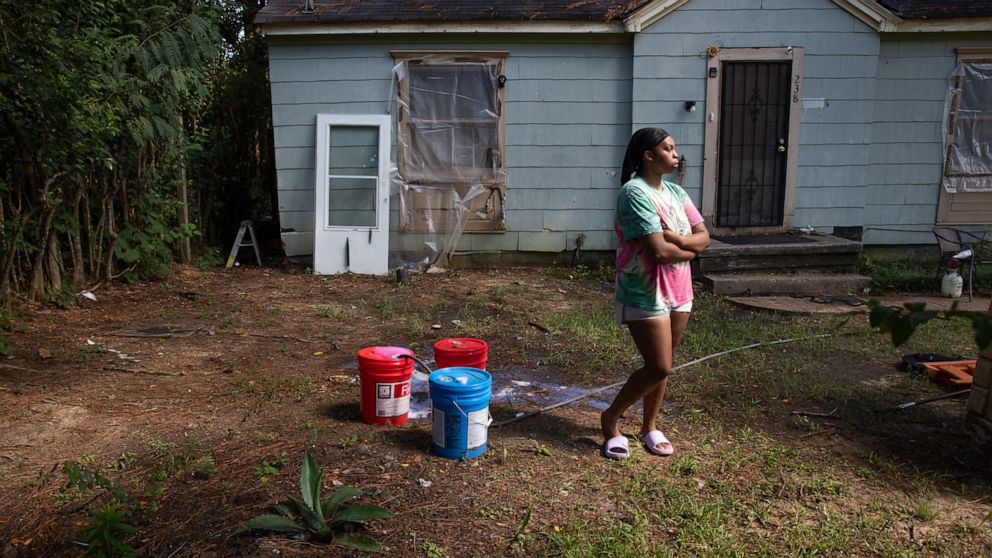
[659,231]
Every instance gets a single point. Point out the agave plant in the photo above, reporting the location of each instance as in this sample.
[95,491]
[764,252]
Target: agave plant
[325,520]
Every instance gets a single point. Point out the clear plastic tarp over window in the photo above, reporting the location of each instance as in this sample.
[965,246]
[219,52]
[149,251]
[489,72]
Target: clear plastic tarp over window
[450,176]
[968,129]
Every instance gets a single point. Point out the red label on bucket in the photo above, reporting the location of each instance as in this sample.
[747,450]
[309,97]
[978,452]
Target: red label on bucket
[392,399]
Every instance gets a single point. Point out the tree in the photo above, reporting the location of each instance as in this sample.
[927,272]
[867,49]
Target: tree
[93,100]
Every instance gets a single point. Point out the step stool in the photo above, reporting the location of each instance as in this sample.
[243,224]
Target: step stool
[240,243]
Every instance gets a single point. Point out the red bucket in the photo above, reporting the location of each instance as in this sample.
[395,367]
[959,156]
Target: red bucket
[461,351]
[385,375]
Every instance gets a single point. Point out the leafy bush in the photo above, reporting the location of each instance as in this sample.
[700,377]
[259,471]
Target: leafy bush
[325,520]
[210,258]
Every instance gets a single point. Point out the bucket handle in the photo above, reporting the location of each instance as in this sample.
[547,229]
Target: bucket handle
[489,419]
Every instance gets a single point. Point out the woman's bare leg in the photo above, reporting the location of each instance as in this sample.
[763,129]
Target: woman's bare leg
[654,398]
[653,339]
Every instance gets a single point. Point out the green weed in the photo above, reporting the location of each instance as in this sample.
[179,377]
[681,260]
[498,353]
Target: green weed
[385,307]
[204,468]
[210,258]
[320,519]
[270,467]
[432,550]
[685,465]
[922,509]
[105,531]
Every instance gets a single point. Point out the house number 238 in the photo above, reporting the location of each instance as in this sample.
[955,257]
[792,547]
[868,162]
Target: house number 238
[795,89]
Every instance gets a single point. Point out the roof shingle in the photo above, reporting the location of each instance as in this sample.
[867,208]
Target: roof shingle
[939,9]
[405,11]
[365,11]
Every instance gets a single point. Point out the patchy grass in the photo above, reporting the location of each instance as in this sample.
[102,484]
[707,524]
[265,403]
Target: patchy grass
[746,493]
[223,423]
[914,277]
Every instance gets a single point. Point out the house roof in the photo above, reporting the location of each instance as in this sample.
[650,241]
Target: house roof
[286,17]
[938,9]
[365,11]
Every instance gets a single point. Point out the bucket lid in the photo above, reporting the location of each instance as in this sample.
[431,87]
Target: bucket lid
[383,353]
[460,377]
[462,345]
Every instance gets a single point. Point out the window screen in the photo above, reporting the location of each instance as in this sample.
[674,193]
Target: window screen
[450,138]
[968,163]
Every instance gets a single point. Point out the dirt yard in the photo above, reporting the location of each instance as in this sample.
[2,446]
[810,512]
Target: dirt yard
[199,394]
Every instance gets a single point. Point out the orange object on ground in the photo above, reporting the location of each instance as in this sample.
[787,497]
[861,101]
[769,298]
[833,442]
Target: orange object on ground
[951,372]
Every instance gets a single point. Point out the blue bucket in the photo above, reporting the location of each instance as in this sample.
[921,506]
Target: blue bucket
[460,411]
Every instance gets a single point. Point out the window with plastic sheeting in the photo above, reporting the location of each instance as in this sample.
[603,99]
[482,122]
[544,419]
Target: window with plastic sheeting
[966,184]
[450,141]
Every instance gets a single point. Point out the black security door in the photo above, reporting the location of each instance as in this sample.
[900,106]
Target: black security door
[754,136]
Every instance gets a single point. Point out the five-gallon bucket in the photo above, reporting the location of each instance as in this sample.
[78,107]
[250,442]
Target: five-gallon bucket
[461,351]
[460,413]
[385,382]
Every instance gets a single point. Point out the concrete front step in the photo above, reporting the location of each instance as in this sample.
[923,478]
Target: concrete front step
[818,252]
[804,282]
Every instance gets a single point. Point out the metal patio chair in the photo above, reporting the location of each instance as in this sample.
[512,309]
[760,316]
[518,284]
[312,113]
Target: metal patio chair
[962,246]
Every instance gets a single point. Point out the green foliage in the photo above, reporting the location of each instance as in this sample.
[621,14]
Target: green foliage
[323,520]
[6,325]
[104,534]
[204,467]
[144,244]
[901,323]
[210,258]
[912,275]
[432,550]
[61,297]
[106,529]
[85,478]
[236,168]
[270,467]
[97,112]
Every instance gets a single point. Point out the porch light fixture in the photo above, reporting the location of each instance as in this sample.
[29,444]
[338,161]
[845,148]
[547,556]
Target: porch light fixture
[690,106]
[307,7]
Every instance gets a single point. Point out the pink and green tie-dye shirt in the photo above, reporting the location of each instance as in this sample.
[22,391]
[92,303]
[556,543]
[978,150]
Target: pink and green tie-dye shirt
[641,210]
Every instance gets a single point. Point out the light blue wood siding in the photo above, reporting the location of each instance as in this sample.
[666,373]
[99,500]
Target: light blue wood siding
[841,54]
[568,106]
[907,142]
[871,157]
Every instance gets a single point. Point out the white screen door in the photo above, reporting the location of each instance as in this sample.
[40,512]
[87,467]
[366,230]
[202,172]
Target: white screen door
[351,232]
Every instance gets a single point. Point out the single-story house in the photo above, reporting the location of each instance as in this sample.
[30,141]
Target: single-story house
[507,121]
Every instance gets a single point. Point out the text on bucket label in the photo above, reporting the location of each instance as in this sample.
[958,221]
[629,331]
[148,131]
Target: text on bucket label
[392,400]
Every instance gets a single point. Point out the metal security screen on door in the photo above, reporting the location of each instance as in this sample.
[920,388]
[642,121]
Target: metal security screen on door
[351,196]
[754,132]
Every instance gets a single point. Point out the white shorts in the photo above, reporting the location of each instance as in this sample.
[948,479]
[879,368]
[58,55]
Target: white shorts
[625,313]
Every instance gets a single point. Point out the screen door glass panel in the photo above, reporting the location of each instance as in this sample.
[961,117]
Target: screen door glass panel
[754,134]
[353,176]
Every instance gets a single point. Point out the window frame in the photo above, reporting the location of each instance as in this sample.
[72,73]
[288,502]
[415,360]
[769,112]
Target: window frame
[487,213]
[962,208]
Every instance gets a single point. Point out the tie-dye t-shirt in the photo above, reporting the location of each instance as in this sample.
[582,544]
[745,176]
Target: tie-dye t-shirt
[642,281]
